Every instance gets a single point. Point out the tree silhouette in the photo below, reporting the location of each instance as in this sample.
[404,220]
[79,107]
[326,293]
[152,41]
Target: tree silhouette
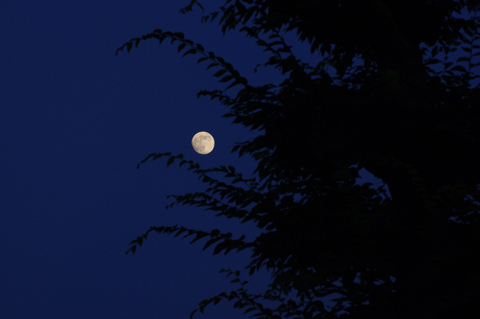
[394,92]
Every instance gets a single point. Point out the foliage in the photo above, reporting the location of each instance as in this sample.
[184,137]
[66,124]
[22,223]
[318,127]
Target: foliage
[397,105]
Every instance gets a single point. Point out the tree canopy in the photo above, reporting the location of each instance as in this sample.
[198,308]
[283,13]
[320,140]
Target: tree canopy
[394,91]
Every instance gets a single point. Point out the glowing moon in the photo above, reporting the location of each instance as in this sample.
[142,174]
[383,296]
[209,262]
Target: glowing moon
[203,143]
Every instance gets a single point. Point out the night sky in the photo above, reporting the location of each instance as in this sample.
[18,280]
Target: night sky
[75,120]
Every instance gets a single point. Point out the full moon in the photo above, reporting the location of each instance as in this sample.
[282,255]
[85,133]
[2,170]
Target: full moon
[203,143]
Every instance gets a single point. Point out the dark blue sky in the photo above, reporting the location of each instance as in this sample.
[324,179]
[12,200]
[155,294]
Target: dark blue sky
[74,122]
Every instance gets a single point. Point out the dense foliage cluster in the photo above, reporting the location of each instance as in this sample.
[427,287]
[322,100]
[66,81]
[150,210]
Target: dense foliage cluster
[403,104]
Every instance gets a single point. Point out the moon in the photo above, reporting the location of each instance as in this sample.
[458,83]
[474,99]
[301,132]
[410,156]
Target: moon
[203,143]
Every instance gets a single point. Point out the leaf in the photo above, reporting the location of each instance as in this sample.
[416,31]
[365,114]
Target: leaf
[236,147]
[191,51]
[179,35]
[232,84]
[170,160]
[463,59]
[199,236]
[218,248]
[213,16]
[226,78]
[459,68]
[210,242]
[239,304]
[181,47]
[182,163]
[162,37]
[219,73]
[180,231]
[221,60]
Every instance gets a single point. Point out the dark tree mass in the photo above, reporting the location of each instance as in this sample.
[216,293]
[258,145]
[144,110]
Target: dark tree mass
[393,91]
